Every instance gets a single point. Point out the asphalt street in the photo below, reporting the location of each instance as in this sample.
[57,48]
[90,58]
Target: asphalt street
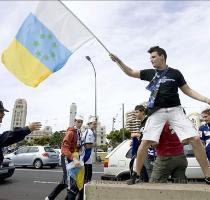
[33,184]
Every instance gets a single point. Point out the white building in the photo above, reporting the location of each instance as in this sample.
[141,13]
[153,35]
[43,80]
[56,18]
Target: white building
[131,123]
[19,114]
[73,112]
[46,131]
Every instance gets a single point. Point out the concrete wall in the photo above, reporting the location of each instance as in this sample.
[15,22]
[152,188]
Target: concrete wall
[106,190]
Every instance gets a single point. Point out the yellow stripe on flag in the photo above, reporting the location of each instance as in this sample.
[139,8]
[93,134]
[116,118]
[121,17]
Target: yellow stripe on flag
[28,69]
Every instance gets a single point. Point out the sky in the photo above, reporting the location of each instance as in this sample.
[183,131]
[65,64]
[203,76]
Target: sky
[127,29]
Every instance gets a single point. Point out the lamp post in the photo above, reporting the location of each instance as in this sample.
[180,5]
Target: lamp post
[89,59]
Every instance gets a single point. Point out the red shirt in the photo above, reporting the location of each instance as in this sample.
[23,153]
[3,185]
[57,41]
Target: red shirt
[169,144]
[69,144]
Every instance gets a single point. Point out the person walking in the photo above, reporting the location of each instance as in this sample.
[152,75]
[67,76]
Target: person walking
[164,105]
[89,142]
[71,143]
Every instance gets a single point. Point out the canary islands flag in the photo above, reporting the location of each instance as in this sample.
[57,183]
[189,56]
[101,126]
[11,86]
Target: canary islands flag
[44,43]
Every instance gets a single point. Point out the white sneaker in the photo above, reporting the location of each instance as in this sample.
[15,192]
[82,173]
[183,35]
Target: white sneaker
[46,198]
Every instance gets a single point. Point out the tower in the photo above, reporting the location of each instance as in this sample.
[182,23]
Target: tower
[73,112]
[19,114]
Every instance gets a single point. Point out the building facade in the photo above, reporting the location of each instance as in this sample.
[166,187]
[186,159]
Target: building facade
[19,113]
[131,123]
[46,131]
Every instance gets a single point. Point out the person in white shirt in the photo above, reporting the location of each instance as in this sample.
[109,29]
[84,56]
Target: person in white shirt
[88,141]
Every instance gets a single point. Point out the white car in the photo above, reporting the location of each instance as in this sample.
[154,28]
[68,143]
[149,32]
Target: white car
[116,164]
[37,156]
[59,152]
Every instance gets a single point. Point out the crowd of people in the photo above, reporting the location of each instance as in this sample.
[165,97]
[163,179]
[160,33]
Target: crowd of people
[164,109]
[77,151]
[157,145]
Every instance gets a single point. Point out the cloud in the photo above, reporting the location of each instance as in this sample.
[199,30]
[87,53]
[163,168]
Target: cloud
[126,28]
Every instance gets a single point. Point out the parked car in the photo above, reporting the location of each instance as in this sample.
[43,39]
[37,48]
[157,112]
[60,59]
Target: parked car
[101,155]
[37,156]
[7,169]
[59,152]
[116,164]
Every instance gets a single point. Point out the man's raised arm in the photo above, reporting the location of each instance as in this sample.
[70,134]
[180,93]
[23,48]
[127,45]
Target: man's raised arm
[127,70]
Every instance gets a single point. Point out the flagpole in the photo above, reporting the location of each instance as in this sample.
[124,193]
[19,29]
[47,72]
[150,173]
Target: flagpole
[84,26]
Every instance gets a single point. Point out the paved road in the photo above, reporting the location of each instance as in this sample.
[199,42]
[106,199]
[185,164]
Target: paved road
[32,184]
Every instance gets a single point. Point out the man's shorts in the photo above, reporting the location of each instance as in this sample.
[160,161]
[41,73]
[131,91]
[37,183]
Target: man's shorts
[177,120]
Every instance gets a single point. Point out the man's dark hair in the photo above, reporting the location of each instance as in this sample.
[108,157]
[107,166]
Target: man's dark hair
[207,111]
[141,108]
[159,50]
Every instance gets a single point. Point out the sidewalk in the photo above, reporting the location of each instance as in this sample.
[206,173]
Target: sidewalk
[103,190]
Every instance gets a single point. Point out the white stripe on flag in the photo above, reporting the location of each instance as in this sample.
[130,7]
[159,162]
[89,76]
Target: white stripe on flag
[66,27]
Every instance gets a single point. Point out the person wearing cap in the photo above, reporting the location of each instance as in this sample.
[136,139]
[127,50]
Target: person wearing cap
[10,137]
[88,143]
[71,143]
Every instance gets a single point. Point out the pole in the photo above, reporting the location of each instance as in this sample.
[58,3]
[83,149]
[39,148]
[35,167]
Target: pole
[89,59]
[85,27]
[123,124]
[113,121]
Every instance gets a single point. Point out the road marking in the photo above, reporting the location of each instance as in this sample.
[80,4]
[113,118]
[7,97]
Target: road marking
[46,182]
[38,170]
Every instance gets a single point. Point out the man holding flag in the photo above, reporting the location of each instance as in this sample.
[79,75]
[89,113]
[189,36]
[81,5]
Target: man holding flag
[164,105]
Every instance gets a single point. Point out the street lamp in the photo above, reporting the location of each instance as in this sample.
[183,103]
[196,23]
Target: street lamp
[89,59]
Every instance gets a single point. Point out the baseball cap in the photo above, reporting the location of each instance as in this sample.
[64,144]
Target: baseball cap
[91,119]
[79,117]
[2,107]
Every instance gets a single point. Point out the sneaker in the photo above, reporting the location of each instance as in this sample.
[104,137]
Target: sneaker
[133,180]
[207,180]
[46,198]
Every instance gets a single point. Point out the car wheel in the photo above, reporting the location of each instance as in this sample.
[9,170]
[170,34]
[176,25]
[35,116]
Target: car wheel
[38,164]
[11,172]
[123,177]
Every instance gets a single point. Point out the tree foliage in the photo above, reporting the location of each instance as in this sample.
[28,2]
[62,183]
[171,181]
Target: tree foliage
[116,137]
[53,140]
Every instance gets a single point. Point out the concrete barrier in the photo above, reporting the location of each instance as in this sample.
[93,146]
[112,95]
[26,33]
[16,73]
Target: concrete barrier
[106,190]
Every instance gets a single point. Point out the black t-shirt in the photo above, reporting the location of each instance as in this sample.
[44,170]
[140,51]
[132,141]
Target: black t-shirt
[167,95]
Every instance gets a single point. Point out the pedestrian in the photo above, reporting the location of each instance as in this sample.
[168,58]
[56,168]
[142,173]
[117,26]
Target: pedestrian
[11,137]
[136,135]
[88,143]
[171,160]
[205,131]
[164,105]
[71,143]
